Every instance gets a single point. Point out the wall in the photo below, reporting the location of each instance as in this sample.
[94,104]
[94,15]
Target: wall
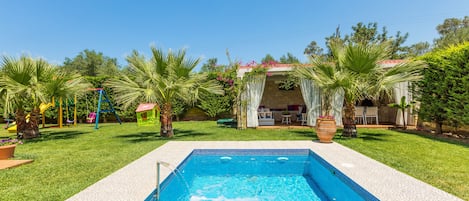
[275,98]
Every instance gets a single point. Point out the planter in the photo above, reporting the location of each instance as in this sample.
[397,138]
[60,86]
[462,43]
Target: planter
[325,129]
[7,152]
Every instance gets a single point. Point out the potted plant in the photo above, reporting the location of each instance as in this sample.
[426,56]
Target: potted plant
[325,124]
[330,80]
[7,148]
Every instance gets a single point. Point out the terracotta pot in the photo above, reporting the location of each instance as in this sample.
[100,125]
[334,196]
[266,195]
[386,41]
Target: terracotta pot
[7,152]
[325,129]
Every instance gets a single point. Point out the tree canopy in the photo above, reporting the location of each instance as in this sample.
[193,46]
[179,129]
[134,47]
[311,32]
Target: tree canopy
[452,31]
[91,63]
[289,59]
[211,66]
[443,90]
[268,59]
[313,49]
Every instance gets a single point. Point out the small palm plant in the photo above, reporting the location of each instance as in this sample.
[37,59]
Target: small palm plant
[402,106]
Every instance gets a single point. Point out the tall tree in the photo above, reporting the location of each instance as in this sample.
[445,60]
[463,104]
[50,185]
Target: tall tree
[417,49]
[162,79]
[289,59]
[268,59]
[370,34]
[452,31]
[367,34]
[313,50]
[398,51]
[211,66]
[92,63]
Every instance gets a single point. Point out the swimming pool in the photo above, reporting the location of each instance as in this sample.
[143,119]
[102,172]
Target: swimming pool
[251,174]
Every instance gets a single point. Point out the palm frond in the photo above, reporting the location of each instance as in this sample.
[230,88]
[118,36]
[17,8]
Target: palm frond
[163,78]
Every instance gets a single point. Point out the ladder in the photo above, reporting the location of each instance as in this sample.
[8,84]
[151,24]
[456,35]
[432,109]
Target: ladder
[102,94]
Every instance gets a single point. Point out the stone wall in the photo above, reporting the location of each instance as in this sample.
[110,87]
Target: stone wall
[276,98]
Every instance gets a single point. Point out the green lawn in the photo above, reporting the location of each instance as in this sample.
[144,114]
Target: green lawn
[441,163]
[68,160]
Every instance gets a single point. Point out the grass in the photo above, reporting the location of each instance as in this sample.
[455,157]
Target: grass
[440,163]
[68,160]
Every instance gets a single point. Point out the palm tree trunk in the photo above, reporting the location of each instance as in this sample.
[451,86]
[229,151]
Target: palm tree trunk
[32,127]
[403,119]
[20,119]
[166,121]
[350,128]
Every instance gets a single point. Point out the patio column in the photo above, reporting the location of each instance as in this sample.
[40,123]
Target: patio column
[312,99]
[255,90]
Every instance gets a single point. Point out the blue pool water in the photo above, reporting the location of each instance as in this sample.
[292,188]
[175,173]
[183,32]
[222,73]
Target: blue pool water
[257,175]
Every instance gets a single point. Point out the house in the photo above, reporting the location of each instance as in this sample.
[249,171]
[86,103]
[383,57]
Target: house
[148,114]
[278,94]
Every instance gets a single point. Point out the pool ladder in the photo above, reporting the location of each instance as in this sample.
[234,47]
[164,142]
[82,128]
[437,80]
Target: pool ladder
[158,165]
[157,193]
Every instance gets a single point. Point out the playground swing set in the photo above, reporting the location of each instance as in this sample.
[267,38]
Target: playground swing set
[92,116]
[103,98]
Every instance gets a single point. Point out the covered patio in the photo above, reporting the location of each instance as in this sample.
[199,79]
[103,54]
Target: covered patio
[274,100]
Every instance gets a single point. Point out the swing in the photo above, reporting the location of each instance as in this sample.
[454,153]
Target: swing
[68,121]
[91,115]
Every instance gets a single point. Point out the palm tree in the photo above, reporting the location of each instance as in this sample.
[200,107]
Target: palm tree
[355,68]
[22,82]
[162,79]
[25,83]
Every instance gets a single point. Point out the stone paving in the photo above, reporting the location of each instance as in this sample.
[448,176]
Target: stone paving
[138,179]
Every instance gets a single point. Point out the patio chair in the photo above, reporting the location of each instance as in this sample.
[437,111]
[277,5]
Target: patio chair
[370,114]
[304,119]
[360,115]
[265,118]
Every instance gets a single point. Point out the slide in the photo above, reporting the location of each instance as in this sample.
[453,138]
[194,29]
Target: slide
[12,128]
[43,107]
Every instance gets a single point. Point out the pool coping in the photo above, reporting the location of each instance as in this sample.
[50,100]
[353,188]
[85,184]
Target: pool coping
[138,179]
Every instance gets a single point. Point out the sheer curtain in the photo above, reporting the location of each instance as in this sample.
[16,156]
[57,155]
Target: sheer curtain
[312,100]
[255,90]
[337,106]
[401,89]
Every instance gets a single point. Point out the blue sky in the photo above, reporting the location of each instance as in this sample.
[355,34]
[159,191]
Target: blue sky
[249,29]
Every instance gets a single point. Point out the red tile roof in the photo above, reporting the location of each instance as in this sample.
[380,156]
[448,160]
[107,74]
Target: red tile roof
[395,61]
[278,65]
[145,107]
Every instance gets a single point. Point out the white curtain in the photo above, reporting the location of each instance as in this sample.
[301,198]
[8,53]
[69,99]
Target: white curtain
[402,89]
[255,90]
[337,106]
[312,99]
